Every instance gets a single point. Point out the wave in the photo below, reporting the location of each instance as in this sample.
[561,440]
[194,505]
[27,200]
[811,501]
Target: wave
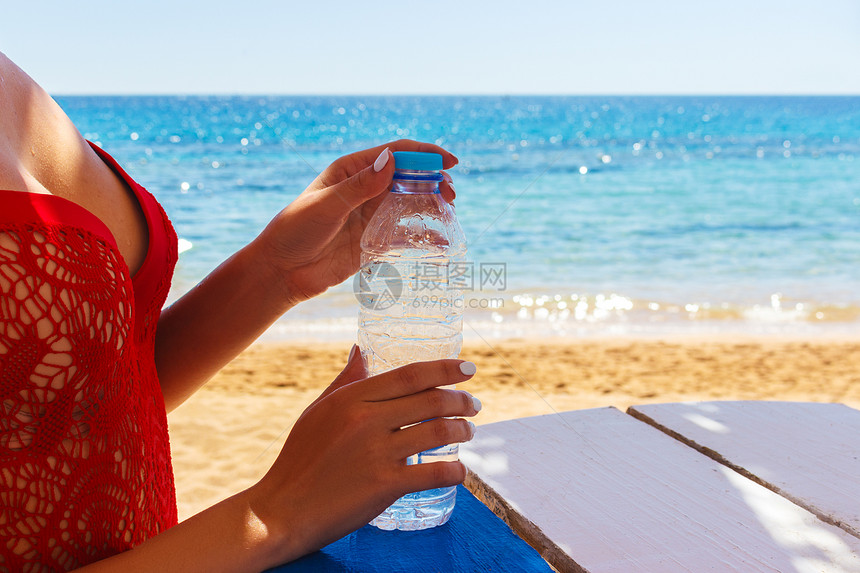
[333,317]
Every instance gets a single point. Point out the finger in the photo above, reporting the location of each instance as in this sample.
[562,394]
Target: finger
[354,370]
[349,165]
[431,434]
[341,198]
[414,378]
[433,403]
[421,477]
[449,160]
[446,187]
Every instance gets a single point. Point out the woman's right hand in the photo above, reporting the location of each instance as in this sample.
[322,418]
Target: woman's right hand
[344,461]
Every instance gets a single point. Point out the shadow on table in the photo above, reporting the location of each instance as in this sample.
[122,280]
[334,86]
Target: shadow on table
[601,491]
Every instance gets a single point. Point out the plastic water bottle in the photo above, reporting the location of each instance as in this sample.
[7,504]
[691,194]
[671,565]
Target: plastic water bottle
[413,252]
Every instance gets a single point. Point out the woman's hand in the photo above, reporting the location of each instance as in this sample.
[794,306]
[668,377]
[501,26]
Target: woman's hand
[344,461]
[315,241]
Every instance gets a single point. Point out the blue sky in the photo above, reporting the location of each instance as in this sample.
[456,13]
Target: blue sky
[450,47]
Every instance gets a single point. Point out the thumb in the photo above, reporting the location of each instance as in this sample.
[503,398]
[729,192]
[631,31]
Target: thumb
[354,370]
[371,181]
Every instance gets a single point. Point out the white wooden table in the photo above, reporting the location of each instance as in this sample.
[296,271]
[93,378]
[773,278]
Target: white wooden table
[705,486]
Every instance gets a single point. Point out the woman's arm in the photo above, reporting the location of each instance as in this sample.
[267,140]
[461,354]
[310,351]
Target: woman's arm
[225,537]
[343,463]
[308,247]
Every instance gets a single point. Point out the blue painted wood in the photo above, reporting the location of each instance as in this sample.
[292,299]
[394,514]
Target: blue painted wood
[474,539]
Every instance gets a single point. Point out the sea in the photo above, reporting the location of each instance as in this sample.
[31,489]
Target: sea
[591,216]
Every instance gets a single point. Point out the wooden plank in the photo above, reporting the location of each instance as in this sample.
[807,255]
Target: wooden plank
[473,540]
[599,491]
[807,452]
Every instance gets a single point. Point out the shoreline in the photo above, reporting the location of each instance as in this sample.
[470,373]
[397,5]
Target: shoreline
[541,312]
[482,329]
[227,435]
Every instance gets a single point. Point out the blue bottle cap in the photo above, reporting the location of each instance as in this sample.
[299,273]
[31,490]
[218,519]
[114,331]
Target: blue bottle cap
[417,161]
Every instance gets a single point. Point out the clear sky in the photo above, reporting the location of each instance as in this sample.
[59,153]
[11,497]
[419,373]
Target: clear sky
[450,47]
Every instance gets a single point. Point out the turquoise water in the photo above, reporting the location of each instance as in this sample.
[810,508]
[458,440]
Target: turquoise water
[609,214]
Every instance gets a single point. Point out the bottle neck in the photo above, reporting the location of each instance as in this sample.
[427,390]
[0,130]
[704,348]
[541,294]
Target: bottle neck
[416,182]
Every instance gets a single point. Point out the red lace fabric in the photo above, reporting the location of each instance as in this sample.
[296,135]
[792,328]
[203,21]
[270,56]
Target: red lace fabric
[85,467]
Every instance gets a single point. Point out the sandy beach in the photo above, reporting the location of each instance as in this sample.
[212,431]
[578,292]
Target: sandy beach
[227,435]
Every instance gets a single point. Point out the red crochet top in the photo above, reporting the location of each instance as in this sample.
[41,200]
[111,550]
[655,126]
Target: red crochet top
[85,467]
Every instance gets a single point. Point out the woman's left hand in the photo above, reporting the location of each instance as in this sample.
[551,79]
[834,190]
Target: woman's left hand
[315,241]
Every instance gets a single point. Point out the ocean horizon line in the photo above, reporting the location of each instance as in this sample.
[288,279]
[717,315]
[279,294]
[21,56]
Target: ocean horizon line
[459,95]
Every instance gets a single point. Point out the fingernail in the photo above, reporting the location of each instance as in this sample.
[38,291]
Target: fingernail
[380,162]
[472,429]
[468,368]
[352,353]
[476,404]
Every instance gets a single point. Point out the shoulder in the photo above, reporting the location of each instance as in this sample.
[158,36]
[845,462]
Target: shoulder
[11,176]
[41,151]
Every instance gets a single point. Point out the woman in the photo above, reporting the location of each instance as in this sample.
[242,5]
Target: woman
[89,364]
